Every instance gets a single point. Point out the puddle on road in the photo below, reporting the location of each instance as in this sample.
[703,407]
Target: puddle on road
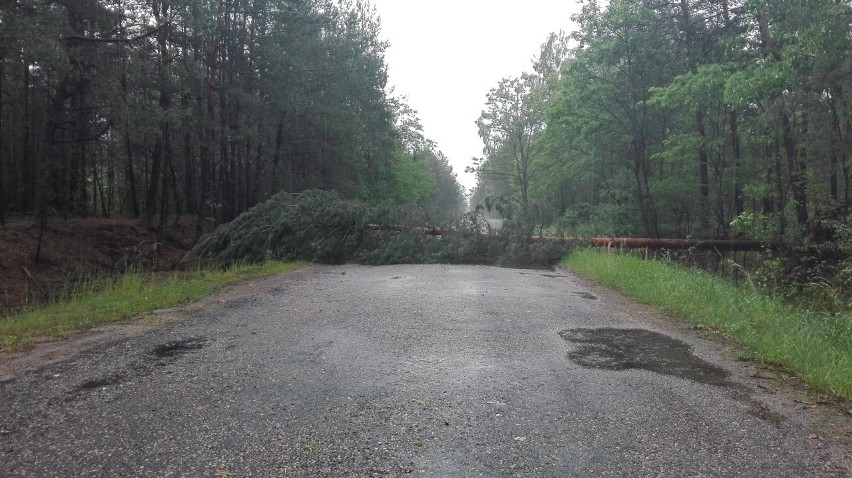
[102,382]
[177,348]
[624,349]
[162,354]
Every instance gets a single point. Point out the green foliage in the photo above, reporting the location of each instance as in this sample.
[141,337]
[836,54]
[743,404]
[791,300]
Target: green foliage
[404,180]
[700,112]
[319,226]
[203,107]
[470,242]
[758,226]
[586,220]
[316,225]
[757,84]
[816,346]
[819,272]
[466,242]
[693,88]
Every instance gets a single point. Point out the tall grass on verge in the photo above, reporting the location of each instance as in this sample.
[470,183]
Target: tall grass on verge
[815,346]
[128,296]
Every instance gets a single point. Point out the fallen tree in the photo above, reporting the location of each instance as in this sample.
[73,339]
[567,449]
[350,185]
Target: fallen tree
[724,245]
[654,243]
[320,226]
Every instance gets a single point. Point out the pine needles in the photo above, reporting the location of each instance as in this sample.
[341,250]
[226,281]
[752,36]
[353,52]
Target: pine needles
[320,226]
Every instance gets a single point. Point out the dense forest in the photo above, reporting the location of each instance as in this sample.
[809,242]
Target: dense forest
[680,118]
[157,108]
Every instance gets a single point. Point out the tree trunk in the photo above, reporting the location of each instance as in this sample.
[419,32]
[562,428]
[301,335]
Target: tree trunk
[175,187]
[703,169]
[28,167]
[739,206]
[2,153]
[98,192]
[130,176]
[164,205]
[163,150]
[44,192]
[189,187]
[797,169]
[838,152]
[641,199]
[153,184]
[210,133]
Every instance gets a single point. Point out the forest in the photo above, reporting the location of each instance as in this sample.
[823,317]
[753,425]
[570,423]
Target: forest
[680,118]
[709,119]
[154,109]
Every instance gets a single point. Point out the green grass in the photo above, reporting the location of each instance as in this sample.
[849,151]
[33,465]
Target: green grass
[98,302]
[815,346]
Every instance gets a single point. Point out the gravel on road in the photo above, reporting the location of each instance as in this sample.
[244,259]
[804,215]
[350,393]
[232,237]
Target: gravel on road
[415,370]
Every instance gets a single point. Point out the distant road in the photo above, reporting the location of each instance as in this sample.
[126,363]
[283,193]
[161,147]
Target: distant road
[440,371]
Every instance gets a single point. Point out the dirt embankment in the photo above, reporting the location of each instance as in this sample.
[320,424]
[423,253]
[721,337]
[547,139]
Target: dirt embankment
[82,248]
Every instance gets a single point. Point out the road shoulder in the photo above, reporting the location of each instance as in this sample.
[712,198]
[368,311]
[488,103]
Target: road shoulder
[51,350]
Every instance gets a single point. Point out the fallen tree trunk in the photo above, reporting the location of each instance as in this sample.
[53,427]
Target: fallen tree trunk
[609,242]
[429,231]
[652,243]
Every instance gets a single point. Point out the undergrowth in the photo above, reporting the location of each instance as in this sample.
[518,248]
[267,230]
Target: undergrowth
[816,346]
[102,301]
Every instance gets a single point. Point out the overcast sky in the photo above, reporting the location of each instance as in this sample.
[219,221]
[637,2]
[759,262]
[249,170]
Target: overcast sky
[446,54]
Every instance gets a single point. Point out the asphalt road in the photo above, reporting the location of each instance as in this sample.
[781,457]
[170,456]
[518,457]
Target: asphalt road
[441,371]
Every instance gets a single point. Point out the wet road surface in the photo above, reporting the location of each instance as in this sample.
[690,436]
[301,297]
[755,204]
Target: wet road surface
[441,371]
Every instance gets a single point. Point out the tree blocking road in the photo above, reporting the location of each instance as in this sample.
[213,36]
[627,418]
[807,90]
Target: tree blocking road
[408,370]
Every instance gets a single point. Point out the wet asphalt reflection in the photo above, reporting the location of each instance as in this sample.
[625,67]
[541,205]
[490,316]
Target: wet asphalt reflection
[624,349]
[408,370]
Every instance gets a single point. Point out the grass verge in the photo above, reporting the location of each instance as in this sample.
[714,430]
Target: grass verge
[816,347]
[98,302]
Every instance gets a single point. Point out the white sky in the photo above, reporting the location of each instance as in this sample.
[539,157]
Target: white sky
[445,56]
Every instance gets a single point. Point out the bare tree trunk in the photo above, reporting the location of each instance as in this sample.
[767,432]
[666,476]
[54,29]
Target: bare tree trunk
[253,179]
[189,189]
[797,169]
[739,206]
[838,153]
[175,188]
[98,191]
[703,170]
[153,184]
[44,195]
[163,152]
[28,202]
[130,176]
[111,187]
[210,134]
[641,199]
[2,153]
[164,207]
